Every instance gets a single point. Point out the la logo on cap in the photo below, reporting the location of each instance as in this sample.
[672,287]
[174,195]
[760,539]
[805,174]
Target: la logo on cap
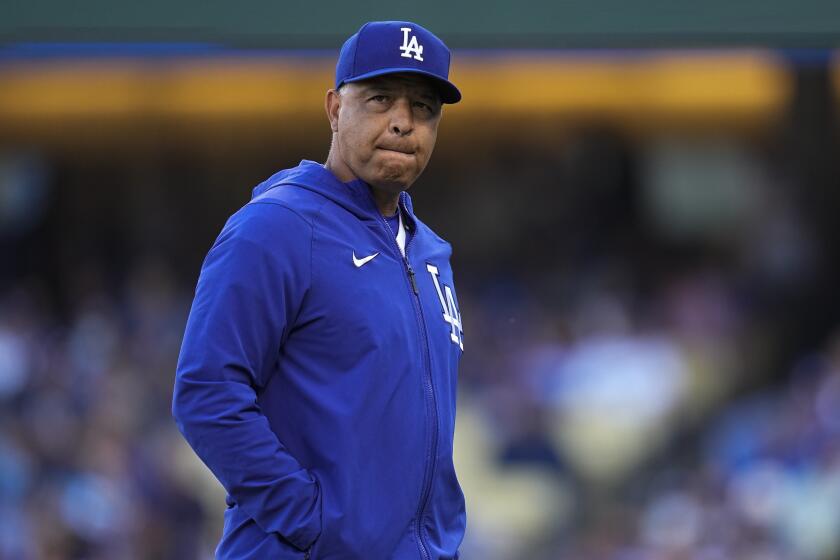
[411,47]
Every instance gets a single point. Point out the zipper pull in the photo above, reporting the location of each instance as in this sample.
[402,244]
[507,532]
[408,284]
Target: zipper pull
[413,281]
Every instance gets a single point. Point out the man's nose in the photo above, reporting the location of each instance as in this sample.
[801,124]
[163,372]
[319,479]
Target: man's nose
[402,120]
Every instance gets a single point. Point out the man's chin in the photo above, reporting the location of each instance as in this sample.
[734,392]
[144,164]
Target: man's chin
[393,178]
[389,185]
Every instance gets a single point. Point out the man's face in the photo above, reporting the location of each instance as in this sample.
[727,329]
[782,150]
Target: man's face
[385,128]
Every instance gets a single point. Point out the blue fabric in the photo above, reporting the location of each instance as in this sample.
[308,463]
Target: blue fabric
[394,222]
[320,393]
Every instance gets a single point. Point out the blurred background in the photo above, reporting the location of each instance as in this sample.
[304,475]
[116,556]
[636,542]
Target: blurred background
[644,207]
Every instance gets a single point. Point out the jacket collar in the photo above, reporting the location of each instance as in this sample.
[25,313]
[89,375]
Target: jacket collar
[355,195]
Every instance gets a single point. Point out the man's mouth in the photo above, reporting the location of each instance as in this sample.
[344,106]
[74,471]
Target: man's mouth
[397,149]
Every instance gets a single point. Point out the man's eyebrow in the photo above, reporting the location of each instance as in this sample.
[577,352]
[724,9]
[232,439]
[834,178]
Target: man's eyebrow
[429,95]
[386,87]
[377,87]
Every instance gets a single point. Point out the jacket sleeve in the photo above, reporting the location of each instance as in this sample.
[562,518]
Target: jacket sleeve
[249,291]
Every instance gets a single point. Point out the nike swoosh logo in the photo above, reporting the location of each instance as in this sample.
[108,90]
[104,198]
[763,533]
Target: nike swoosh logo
[364,261]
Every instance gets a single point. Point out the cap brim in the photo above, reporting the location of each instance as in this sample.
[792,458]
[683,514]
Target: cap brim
[448,92]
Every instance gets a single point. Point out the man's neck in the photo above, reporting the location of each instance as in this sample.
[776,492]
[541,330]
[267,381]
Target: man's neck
[386,201]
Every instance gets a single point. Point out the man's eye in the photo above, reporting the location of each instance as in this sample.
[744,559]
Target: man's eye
[426,108]
[379,98]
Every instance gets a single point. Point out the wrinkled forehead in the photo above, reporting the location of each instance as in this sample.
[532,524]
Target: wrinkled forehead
[403,82]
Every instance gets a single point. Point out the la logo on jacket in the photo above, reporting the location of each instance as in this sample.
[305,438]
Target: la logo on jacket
[450,311]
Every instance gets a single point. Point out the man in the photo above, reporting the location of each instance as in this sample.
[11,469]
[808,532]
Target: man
[317,374]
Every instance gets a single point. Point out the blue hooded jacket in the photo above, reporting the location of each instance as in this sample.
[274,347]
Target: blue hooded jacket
[318,384]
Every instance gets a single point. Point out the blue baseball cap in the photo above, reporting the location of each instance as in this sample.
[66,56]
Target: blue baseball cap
[388,47]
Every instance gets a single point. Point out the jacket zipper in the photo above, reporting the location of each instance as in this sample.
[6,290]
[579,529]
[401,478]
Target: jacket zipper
[431,401]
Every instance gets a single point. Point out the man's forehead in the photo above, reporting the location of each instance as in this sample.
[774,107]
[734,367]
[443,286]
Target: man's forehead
[415,82]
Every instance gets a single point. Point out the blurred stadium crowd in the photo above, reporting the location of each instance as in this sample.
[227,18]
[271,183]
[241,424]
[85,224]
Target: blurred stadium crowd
[651,367]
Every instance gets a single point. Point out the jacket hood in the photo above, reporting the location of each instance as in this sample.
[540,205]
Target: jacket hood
[355,195]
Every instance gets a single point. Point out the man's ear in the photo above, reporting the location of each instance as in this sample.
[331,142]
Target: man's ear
[332,104]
